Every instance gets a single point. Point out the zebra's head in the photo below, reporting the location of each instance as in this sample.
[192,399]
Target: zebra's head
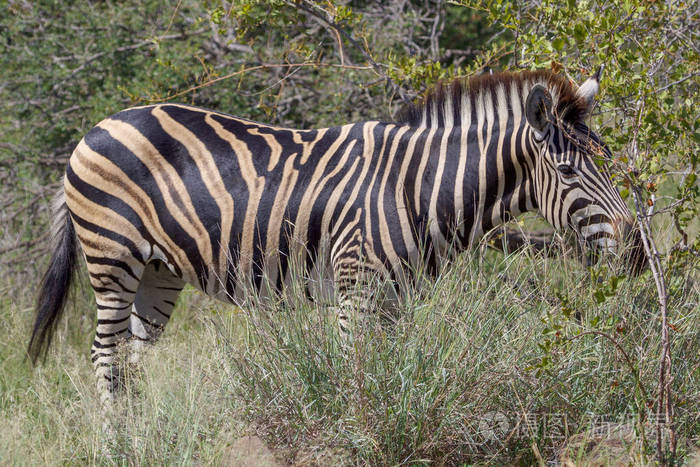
[572,184]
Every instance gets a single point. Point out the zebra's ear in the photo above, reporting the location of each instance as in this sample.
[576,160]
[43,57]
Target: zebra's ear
[538,109]
[589,89]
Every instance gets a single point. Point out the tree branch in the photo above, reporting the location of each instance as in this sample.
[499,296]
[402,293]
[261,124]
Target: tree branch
[339,30]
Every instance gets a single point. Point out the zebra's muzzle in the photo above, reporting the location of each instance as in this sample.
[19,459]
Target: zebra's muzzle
[620,239]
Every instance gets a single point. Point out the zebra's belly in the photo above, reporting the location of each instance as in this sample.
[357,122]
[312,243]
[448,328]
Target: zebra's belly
[280,274]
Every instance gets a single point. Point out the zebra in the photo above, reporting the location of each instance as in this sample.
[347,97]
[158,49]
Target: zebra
[164,195]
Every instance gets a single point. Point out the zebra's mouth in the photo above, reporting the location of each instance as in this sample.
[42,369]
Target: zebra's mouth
[600,237]
[622,242]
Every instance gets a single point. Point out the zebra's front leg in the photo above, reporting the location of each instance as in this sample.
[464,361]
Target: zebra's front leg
[351,309]
[352,277]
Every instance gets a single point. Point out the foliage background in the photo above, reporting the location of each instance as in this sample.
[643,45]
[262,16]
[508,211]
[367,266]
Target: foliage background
[66,65]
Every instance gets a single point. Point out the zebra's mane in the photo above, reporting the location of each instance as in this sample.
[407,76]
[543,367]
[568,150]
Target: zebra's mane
[568,106]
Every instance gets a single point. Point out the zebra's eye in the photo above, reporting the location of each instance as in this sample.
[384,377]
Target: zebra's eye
[566,171]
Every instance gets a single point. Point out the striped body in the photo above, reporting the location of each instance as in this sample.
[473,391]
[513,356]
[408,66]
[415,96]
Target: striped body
[222,200]
[164,195]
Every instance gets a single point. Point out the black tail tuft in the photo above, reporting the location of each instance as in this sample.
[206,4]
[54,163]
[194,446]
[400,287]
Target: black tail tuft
[54,291]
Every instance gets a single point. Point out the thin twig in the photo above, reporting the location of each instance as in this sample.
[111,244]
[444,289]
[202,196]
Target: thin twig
[617,345]
[664,404]
[260,67]
[125,48]
[363,50]
[27,244]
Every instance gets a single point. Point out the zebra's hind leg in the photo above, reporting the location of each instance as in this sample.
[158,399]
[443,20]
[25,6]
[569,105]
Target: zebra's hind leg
[155,299]
[115,289]
[133,307]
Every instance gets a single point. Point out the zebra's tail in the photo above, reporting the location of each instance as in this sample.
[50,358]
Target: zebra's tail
[57,280]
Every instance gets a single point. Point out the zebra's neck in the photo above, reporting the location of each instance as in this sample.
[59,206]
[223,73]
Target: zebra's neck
[476,166]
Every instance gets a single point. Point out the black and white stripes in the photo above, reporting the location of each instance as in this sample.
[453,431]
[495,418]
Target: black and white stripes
[164,195]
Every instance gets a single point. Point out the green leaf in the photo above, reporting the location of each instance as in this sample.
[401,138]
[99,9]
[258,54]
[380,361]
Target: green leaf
[599,296]
[558,43]
[580,33]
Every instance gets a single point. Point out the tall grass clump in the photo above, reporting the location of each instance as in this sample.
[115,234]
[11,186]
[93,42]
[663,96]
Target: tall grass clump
[499,359]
